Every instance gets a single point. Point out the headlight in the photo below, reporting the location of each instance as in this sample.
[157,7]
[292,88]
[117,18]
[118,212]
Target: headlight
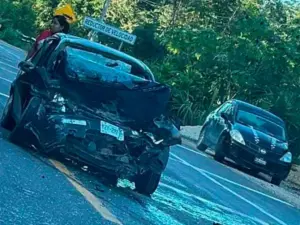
[236,136]
[287,157]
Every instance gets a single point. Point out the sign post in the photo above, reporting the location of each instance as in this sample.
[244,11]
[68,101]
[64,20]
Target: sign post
[121,45]
[111,31]
[92,34]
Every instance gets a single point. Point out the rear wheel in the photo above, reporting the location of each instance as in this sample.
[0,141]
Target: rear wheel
[147,183]
[220,149]
[254,172]
[200,145]
[276,181]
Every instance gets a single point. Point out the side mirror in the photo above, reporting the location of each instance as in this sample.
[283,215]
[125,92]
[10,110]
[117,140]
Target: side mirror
[26,66]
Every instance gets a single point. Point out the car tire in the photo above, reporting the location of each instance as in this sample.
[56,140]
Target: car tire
[219,150]
[147,183]
[112,180]
[254,172]
[200,145]
[19,134]
[7,122]
[276,181]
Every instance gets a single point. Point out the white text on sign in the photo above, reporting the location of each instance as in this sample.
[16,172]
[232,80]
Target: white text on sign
[109,30]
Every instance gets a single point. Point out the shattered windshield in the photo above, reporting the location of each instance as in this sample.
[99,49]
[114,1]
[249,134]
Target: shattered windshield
[96,67]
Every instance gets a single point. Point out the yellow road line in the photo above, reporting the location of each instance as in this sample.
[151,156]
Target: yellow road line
[92,199]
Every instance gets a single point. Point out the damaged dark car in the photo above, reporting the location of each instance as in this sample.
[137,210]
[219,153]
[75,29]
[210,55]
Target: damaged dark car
[95,104]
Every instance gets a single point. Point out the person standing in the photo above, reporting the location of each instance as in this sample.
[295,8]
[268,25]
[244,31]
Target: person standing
[59,24]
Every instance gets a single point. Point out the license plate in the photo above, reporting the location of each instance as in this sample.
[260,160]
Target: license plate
[112,130]
[73,121]
[260,161]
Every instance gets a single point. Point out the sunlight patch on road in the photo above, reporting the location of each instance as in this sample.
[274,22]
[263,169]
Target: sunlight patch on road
[92,199]
[203,209]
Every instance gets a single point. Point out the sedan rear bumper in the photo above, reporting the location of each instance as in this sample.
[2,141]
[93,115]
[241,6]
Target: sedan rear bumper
[82,137]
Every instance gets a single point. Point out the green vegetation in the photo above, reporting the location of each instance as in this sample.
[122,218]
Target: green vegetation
[208,51]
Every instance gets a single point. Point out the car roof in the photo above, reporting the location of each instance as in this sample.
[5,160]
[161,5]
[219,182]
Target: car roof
[67,38]
[255,109]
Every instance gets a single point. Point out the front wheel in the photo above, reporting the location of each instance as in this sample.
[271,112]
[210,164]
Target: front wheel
[276,181]
[201,145]
[220,149]
[147,183]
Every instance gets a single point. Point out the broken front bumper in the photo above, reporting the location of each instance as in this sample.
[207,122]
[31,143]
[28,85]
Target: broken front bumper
[246,156]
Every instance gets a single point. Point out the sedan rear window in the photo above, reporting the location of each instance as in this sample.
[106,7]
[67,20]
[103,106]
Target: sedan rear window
[96,61]
[261,124]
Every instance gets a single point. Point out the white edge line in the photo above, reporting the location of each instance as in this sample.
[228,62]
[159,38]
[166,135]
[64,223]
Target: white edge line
[15,73]
[2,94]
[229,181]
[9,81]
[10,53]
[244,199]
[198,153]
[11,46]
[10,66]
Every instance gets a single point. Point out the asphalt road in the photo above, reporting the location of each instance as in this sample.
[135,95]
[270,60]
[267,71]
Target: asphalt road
[193,190]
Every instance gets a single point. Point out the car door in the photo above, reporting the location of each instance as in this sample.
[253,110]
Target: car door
[218,123]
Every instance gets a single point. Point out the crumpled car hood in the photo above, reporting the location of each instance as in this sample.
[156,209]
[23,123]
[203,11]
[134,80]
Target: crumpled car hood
[141,104]
[95,84]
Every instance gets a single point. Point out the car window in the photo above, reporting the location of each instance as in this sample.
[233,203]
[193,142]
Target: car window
[261,124]
[43,52]
[36,57]
[96,61]
[89,66]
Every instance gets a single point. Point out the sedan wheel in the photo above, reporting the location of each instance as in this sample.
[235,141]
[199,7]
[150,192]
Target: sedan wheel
[276,181]
[200,145]
[147,183]
[219,150]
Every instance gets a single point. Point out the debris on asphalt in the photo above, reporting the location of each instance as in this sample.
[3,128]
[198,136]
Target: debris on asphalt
[125,184]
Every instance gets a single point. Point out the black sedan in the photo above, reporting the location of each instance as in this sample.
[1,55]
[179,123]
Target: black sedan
[95,104]
[250,136]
